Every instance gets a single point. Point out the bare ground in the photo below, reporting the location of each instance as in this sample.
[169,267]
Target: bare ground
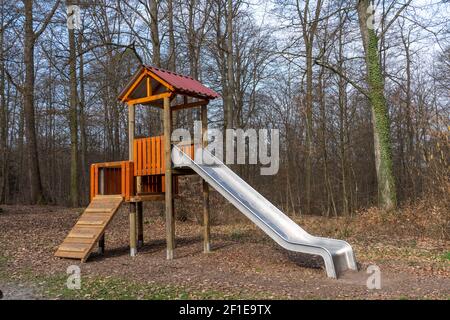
[244,262]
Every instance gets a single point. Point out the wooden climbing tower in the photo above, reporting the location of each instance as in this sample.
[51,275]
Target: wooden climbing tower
[148,174]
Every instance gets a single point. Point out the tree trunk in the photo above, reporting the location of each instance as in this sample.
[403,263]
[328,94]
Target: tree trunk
[73,122]
[387,197]
[172,53]
[342,125]
[230,76]
[309,31]
[3,115]
[36,190]
[154,30]
[82,119]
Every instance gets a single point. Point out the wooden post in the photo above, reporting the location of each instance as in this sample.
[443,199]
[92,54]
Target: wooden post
[206,227]
[140,225]
[170,221]
[133,229]
[101,241]
[101,244]
[131,119]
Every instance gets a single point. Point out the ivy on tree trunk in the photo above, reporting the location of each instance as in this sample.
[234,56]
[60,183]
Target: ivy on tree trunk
[387,196]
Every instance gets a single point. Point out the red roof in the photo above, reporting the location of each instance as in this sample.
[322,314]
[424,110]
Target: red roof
[183,84]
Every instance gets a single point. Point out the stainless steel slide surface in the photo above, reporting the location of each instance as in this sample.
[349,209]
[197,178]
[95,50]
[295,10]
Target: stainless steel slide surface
[337,254]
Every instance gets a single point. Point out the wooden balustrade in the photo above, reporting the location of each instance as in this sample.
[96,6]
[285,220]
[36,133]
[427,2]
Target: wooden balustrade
[148,155]
[109,178]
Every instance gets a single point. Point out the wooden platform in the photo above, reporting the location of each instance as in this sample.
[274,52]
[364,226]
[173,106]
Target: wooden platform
[83,237]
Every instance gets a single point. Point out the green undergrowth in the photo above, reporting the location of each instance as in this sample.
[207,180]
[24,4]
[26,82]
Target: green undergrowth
[446,256]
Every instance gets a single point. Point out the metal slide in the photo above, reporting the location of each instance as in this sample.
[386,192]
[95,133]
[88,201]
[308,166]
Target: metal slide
[337,254]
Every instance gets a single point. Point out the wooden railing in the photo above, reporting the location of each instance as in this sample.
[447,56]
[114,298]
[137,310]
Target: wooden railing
[148,155]
[112,178]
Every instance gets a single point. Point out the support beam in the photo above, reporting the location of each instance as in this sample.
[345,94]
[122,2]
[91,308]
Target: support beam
[149,87]
[133,86]
[205,186]
[140,225]
[101,244]
[170,221]
[149,99]
[131,120]
[133,249]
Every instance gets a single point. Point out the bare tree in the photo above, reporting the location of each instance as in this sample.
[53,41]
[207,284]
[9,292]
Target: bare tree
[34,174]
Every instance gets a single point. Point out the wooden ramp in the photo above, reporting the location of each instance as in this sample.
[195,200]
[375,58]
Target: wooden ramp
[89,228]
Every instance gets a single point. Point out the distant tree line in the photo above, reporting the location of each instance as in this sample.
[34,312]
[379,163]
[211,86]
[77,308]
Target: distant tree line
[361,99]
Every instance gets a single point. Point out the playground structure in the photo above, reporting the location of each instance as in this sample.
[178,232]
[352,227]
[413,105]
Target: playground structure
[150,175]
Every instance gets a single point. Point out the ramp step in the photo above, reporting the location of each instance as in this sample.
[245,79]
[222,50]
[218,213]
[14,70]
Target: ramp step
[98,210]
[91,222]
[73,247]
[69,254]
[82,235]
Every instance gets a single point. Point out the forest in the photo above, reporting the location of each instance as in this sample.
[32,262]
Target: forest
[99,201]
[363,113]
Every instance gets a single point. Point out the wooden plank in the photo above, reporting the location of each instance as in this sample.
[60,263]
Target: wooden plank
[154,155]
[144,156]
[158,155]
[114,164]
[150,98]
[96,181]
[92,183]
[97,210]
[79,240]
[149,86]
[150,155]
[73,247]
[135,156]
[102,197]
[88,234]
[139,158]
[163,162]
[91,222]
[124,181]
[69,254]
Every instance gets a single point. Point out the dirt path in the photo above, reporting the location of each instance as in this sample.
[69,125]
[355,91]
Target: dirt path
[10,291]
[244,262]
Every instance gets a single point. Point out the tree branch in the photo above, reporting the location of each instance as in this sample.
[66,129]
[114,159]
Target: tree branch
[394,18]
[47,20]
[356,86]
